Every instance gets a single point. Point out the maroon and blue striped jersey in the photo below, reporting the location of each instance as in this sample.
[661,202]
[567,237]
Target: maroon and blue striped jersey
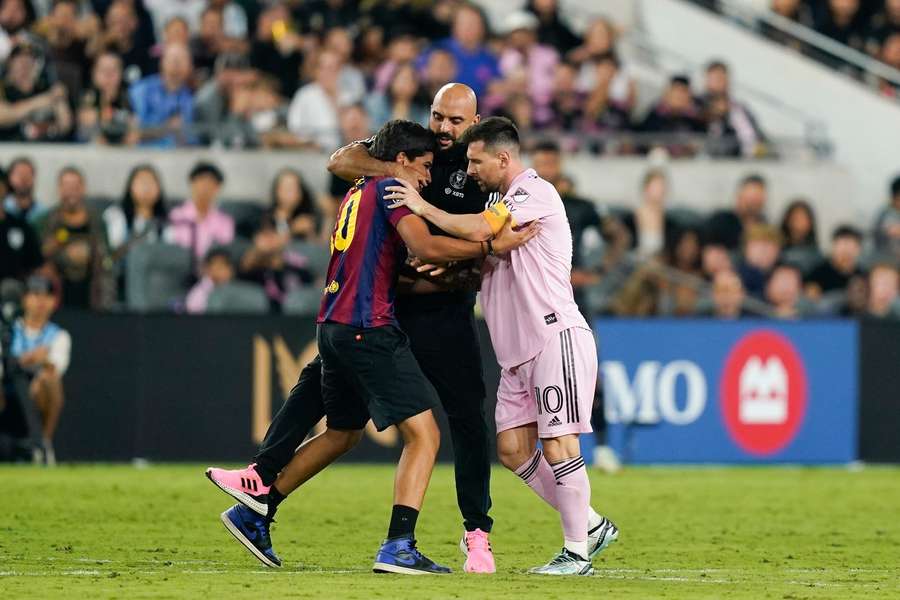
[366,256]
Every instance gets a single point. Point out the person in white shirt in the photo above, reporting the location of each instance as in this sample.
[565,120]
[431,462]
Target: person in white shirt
[313,114]
[43,350]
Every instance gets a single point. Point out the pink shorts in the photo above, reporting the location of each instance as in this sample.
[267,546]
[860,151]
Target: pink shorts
[555,389]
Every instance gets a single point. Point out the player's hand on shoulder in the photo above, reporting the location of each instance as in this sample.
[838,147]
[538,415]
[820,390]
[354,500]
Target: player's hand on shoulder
[406,195]
[509,238]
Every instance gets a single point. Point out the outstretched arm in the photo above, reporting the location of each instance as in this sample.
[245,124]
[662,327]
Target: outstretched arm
[476,227]
[440,248]
[353,161]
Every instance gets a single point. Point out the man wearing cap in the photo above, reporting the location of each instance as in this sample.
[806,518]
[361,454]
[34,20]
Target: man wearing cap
[198,224]
[42,349]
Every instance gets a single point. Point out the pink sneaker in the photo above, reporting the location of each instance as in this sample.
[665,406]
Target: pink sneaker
[477,548]
[244,485]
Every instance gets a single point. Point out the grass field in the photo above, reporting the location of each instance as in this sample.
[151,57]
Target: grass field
[783,533]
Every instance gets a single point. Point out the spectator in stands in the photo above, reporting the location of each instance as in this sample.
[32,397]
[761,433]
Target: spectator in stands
[552,29]
[75,245]
[20,202]
[30,110]
[546,159]
[214,103]
[727,296]
[218,270]
[293,209]
[648,224]
[890,55]
[16,17]
[476,65]
[882,25]
[20,249]
[887,224]
[884,282]
[404,99]
[277,48]
[784,291]
[199,224]
[350,79]
[273,264]
[71,40]
[208,42]
[105,115]
[369,51]
[567,103]
[728,226]
[843,22]
[734,115]
[402,49]
[855,302]
[354,127]
[440,69]
[192,12]
[164,104]
[599,40]
[798,230]
[832,274]
[313,113]
[43,350]
[319,17]
[675,113]
[795,10]
[122,35]
[141,215]
[524,57]
[762,246]
[715,258]
[607,108]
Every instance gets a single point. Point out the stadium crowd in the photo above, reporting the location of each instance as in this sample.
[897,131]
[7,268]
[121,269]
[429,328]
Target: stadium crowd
[322,73]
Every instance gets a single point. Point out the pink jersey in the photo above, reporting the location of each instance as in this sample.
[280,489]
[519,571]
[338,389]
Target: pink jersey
[527,294]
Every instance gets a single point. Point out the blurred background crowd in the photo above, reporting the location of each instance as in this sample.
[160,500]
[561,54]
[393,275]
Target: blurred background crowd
[314,75]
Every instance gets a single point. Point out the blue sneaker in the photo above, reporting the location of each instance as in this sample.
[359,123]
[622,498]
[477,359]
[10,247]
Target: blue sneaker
[400,555]
[251,530]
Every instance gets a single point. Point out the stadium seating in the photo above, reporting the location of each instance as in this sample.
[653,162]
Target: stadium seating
[238,297]
[158,276]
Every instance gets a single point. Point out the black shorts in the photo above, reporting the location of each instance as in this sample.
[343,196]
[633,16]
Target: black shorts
[370,373]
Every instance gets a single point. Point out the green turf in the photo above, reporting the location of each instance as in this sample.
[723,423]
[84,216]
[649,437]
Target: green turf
[784,533]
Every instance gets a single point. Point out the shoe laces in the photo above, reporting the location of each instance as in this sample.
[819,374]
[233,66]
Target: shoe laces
[477,540]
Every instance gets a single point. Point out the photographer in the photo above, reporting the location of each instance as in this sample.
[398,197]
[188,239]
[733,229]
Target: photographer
[42,350]
[30,110]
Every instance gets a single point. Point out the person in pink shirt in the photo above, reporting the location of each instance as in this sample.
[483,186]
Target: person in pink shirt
[198,224]
[524,59]
[546,351]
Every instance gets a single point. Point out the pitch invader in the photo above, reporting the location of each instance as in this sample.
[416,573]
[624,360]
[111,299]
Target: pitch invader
[546,350]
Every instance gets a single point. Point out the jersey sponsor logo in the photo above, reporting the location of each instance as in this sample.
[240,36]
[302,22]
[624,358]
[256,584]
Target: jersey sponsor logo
[458,179]
[763,393]
[550,319]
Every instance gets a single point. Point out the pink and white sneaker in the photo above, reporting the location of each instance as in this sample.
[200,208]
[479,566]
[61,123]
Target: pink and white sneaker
[477,548]
[244,485]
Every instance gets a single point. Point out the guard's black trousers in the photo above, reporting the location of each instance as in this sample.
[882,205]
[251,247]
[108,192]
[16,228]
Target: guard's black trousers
[444,341]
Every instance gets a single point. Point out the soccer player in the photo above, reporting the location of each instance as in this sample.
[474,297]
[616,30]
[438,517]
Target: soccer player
[545,348]
[439,323]
[367,367]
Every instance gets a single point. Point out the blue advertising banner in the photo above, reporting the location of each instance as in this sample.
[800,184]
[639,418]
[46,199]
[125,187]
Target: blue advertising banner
[743,391]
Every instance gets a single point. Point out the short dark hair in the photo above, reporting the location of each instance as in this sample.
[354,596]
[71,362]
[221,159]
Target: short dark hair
[680,80]
[20,160]
[651,174]
[493,131]
[846,231]
[546,146]
[895,187]
[206,168]
[70,170]
[753,179]
[407,137]
[716,64]
[218,252]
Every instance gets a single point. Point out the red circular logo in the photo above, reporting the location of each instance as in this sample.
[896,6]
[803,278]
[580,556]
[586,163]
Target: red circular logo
[763,392]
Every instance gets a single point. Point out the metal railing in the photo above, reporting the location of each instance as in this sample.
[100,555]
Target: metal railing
[872,69]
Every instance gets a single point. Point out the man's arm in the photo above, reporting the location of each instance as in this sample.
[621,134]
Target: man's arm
[476,227]
[440,248]
[353,161]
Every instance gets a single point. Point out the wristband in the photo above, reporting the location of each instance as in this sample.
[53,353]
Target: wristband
[483,251]
[490,247]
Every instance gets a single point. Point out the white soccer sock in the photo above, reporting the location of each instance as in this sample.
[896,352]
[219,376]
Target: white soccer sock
[579,548]
[594,518]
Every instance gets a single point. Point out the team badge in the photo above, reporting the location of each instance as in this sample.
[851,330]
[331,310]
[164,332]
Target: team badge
[458,180]
[15,237]
[520,195]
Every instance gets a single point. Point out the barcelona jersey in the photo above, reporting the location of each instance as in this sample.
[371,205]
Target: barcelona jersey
[366,256]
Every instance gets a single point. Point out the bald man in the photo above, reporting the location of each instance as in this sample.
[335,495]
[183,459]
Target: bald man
[437,315]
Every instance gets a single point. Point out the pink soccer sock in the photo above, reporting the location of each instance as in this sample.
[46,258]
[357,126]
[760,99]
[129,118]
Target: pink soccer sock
[536,472]
[573,496]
